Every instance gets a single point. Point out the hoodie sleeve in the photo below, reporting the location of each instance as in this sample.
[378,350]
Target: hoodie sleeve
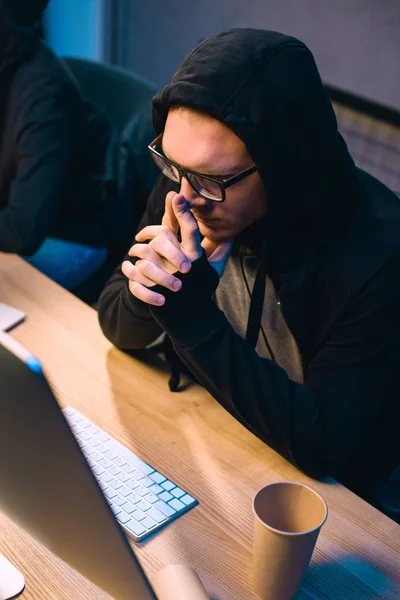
[342,421]
[43,147]
[124,319]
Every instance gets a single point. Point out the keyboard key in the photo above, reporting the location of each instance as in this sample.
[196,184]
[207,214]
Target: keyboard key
[156,515]
[124,491]
[136,474]
[157,477]
[99,446]
[132,484]
[128,468]
[123,477]
[94,443]
[124,518]
[92,429]
[143,505]
[102,437]
[88,450]
[139,515]
[116,509]
[129,508]
[141,491]
[110,493]
[177,492]
[168,485]
[91,463]
[96,457]
[152,498]
[115,483]
[134,498]
[110,454]
[105,476]
[103,485]
[156,489]
[97,470]
[106,464]
[146,482]
[136,528]
[70,412]
[176,504]
[118,461]
[85,436]
[166,496]
[187,500]
[148,523]
[119,500]
[166,509]
[113,470]
[77,429]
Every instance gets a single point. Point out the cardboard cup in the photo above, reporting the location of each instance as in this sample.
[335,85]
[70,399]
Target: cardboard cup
[288,518]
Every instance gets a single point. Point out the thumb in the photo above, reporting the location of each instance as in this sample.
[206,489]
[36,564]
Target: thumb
[218,256]
[209,246]
[169,219]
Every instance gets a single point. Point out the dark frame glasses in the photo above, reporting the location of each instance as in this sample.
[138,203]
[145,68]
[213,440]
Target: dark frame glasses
[194,178]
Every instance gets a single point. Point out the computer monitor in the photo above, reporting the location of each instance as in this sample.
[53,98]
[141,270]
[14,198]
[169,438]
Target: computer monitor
[48,488]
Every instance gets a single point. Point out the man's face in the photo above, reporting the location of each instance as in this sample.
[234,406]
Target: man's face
[203,144]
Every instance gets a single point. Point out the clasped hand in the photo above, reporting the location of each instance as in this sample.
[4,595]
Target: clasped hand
[164,255]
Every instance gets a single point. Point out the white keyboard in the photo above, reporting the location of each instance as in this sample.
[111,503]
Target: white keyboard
[141,498]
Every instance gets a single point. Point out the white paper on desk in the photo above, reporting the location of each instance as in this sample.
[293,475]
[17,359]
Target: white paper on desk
[10,317]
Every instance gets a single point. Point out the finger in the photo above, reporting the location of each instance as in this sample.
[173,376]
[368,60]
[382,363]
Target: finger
[151,231]
[168,257]
[145,294]
[169,219]
[159,276]
[146,252]
[189,228]
[209,246]
[221,252]
[172,252]
[133,273]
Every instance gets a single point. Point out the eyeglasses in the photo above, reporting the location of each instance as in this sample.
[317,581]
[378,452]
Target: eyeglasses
[204,185]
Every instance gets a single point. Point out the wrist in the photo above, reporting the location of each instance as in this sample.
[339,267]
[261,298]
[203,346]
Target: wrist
[189,314]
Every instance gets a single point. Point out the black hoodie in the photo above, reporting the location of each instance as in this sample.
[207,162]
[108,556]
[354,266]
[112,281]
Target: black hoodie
[330,244]
[52,143]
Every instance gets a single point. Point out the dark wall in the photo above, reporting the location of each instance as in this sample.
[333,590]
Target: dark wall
[356,43]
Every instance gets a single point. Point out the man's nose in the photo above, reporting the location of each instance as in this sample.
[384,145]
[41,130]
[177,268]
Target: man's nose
[192,197]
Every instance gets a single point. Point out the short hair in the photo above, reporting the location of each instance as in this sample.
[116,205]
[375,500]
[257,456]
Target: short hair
[195,113]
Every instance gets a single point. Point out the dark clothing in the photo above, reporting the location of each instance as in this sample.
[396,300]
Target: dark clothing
[330,243]
[52,148]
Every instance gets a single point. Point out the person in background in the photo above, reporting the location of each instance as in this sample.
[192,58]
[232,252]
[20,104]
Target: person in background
[270,261]
[52,155]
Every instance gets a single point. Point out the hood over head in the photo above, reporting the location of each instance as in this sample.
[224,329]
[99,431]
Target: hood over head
[19,32]
[266,87]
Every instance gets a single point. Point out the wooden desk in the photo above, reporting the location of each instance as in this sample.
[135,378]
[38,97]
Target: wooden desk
[191,439]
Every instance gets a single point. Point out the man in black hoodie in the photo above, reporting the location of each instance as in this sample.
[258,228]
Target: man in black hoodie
[288,311]
[52,154]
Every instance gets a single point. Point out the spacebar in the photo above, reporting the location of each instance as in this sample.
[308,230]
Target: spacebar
[127,455]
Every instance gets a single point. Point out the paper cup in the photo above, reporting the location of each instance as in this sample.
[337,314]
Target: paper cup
[288,518]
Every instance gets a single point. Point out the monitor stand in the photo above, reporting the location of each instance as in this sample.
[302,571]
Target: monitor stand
[12,582]
[10,317]
[179,582]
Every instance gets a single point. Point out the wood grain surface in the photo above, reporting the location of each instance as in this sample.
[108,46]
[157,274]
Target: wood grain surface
[196,443]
